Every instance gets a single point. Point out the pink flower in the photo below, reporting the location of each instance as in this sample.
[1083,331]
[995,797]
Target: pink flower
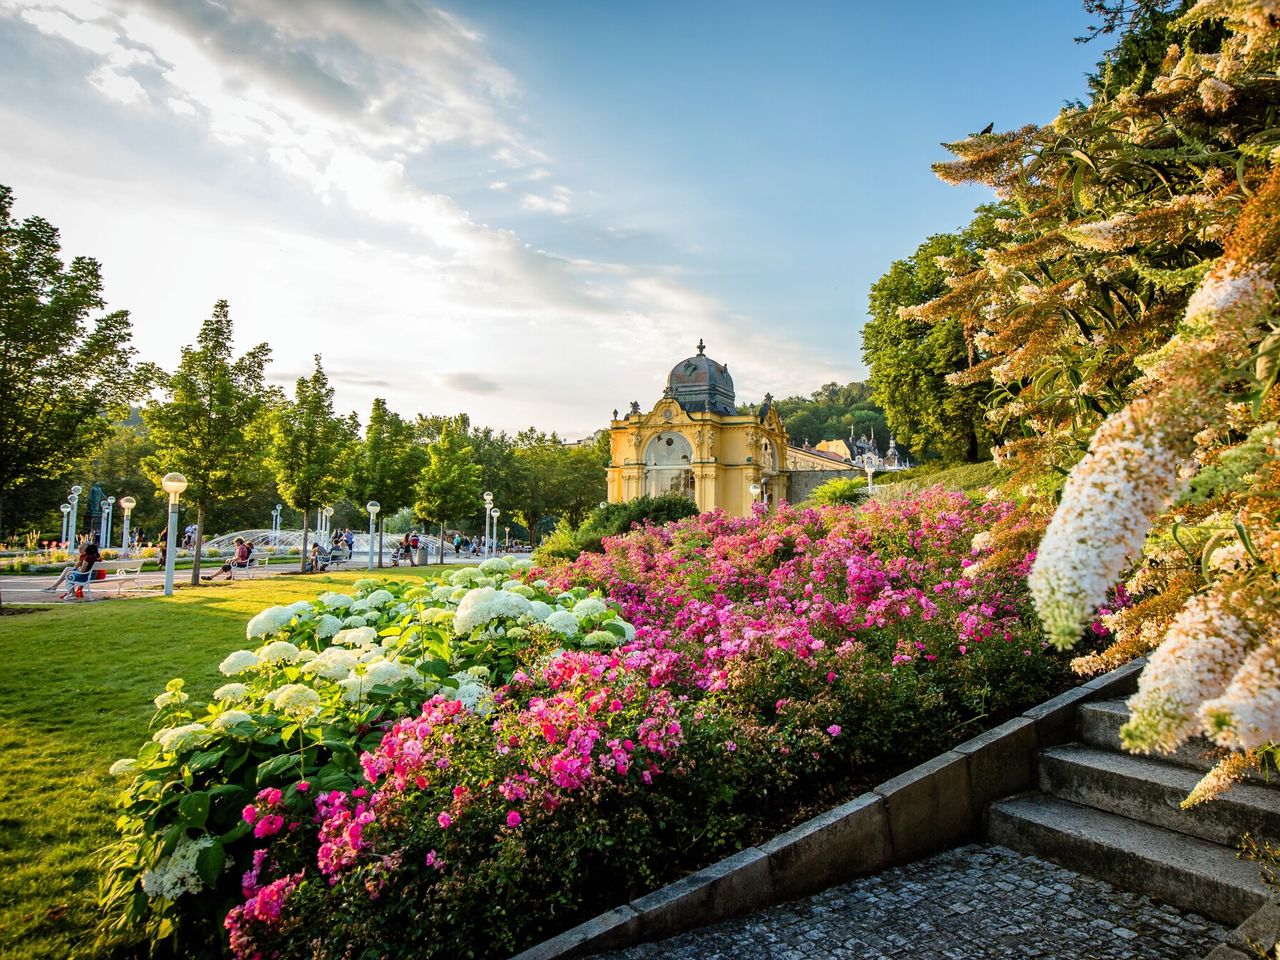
[513,818]
[445,821]
[269,825]
[303,786]
[250,813]
[834,729]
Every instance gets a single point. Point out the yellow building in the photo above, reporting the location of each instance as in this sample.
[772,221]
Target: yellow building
[695,442]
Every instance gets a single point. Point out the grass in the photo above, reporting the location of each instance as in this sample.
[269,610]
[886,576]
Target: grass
[76,696]
[967,477]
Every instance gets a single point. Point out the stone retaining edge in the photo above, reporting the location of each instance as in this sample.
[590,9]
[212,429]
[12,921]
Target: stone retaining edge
[931,807]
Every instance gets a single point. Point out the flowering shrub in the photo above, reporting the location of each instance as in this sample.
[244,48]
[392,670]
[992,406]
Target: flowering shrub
[318,687]
[539,745]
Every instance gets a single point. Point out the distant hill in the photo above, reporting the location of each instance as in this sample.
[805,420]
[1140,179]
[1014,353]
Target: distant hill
[829,414]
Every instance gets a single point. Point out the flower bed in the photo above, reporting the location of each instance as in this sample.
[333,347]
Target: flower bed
[479,764]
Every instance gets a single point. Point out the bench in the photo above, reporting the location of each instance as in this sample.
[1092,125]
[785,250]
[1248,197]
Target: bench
[118,572]
[256,561]
[339,556]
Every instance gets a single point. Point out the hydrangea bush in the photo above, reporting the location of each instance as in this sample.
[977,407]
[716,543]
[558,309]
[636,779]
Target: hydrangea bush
[563,740]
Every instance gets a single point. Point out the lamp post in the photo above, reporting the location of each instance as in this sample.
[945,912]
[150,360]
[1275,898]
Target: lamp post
[126,504]
[66,509]
[74,500]
[496,513]
[755,489]
[373,506]
[275,526]
[488,506]
[173,484]
[328,521]
[104,536]
[603,504]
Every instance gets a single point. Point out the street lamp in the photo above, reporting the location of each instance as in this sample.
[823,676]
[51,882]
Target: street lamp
[66,509]
[488,506]
[755,489]
[279,523]
[603,504]
[74,500]
[496,513]
[173,484]
[104,536]
[373,506]
[328,514]
[126,504]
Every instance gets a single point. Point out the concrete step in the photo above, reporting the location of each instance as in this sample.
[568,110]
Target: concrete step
[1099,724]
[1149,790]
[1188,872]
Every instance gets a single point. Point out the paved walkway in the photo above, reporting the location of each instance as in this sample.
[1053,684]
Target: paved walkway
[971,903]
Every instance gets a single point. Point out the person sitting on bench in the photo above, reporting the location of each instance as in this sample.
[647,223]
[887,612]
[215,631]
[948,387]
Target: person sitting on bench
[244,550]
[75,577]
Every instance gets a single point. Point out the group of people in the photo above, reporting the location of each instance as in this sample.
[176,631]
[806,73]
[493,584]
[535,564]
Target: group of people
[79,573]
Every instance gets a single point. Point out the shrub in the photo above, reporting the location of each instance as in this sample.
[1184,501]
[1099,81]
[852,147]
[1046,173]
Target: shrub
[842,490]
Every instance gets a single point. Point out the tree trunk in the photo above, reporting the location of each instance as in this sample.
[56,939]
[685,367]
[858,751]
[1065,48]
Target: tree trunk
[973,455]
[442,543]
[198,546]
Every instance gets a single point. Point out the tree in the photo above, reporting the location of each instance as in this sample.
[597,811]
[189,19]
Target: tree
[830,414]
[205,428]
[386,463]
[65,368]
[310,448]
[449,484]
[912,359]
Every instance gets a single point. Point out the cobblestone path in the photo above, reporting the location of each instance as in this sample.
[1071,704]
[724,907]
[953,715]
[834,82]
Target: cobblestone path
[969,903]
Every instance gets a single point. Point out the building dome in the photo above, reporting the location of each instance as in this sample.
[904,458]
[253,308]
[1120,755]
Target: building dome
[701,384]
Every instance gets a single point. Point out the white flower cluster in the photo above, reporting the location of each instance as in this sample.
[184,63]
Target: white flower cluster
[1247,715]
[278,651]
[562,621]
[180,739]
[336,601]
[296,701]
[230,718]
[231,692]
[484,605]
[327,626]
[171,698]
[333,663]
[241,661]
[270,621]
[590,607]
[176,875]
[1108,504]
[1194,663]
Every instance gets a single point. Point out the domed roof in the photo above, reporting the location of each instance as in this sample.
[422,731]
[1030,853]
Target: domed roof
[699,383]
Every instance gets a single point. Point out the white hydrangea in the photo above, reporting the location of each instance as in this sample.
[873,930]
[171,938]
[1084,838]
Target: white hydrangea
[542,584]
[176,875]
[336,601]
[305,655]
[366,583]
[296,701]
[361,606]
[496,565]
[327,626]
[539,610]
[180,739]
[278,651]
[354,623]
[231,692]
[562,621]
[240,661]
[302,609]
[527,592]
[361,636]
[442,592]
[462,577]
[379,598]
[524,563]
[123,767]
[484,605]
[589,607]
[229,718]
[384,671]
[171,698]
[601,638]
[270,621]
[353,689]
[370,654]
[436,615]
[334,663]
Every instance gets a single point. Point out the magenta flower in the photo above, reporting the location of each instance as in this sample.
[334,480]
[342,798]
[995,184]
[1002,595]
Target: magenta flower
[513,818]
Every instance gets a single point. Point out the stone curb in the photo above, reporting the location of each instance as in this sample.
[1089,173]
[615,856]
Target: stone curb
[931,807]
[1261,928]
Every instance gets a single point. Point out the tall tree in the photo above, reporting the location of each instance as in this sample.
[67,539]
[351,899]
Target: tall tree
[204,428]
[387,461]
[310,448]
[65,368]
[449,484]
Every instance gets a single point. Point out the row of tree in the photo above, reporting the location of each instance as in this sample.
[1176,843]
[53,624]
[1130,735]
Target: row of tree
[68,374]
[830,413]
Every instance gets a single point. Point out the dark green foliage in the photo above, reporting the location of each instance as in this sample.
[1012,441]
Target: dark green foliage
[910,359]
[830,413]
[611,520]
[66,368]
[842,490]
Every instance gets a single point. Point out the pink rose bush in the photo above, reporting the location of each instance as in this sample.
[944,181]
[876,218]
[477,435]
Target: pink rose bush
[695,688]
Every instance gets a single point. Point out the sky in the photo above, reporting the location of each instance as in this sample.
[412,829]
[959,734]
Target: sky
[526,211]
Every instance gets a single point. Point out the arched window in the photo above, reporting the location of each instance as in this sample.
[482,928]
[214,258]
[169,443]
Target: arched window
[668,466]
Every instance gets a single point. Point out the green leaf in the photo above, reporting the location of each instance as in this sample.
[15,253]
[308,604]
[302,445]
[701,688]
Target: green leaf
[275,767]
[205,759]
[194,809]
[209,863]
[616,629]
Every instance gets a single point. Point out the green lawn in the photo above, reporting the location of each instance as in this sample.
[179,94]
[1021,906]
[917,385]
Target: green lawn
[76,695]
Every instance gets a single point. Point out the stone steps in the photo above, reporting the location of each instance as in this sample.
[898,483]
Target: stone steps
[1188,872]
[1150,791]
[1099,724]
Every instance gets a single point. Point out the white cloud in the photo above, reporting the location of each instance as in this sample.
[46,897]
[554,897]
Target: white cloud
[500,185]
[557,203]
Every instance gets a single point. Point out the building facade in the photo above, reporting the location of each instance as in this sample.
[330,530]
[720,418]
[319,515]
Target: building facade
[694,442]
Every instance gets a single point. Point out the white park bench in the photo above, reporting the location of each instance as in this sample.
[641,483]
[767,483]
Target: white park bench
[257,562]
[118,572]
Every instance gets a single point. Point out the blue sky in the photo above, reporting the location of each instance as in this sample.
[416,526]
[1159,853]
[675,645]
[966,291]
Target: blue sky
[529,211]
